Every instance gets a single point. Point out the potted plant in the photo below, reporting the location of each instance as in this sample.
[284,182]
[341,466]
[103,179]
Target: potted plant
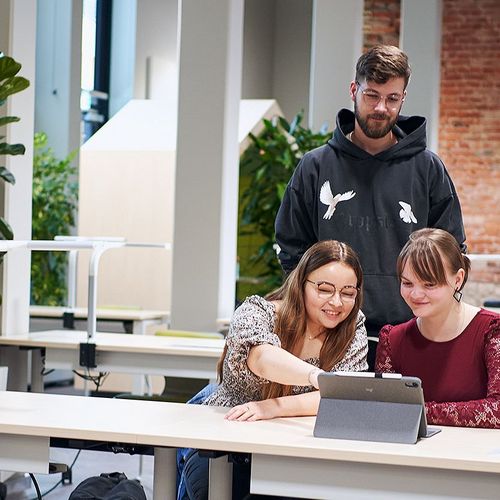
[265,169]
[55,196]
[10,84]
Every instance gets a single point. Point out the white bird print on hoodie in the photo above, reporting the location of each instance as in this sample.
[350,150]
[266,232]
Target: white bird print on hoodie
[326,197]
[406,213]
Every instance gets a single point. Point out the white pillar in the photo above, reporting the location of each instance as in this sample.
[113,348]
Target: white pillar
[17,204]
[207,165]
[421,39]
[291,56]
[337,40]
[58,73]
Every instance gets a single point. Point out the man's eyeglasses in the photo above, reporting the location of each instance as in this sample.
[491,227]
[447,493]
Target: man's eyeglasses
[327,290]
[372,98]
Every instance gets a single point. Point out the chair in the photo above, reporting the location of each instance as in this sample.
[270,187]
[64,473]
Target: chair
[181,389]
[372,352]
[495,303]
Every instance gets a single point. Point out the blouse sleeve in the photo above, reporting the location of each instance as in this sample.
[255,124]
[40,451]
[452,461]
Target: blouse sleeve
[383,360]
[252,325]
[481,412]
[354,359]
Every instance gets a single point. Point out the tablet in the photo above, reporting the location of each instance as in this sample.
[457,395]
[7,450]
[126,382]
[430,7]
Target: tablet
[371,407]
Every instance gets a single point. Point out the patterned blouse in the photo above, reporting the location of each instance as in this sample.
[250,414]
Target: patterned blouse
[253,324]
[460,377]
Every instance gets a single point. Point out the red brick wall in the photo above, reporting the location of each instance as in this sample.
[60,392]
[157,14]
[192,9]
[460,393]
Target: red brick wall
[381,21]
[469,136]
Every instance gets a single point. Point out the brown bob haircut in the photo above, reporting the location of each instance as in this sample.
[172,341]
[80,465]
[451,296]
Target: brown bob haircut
[430,252]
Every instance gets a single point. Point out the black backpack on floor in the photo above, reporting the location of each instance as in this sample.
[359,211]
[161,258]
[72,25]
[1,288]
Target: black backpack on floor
[113,486]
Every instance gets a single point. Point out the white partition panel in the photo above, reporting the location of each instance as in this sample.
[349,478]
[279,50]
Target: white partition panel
[127,174]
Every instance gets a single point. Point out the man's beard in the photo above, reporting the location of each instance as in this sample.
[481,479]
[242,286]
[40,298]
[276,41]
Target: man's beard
[374,132]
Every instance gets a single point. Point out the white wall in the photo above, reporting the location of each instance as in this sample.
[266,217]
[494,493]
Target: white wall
[276,52]
[58,70]
[292,53]
[258,49]
[156,49]
[122,71]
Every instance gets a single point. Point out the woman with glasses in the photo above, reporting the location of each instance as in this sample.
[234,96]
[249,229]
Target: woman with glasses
[452,346]
[371,185]
[278,345]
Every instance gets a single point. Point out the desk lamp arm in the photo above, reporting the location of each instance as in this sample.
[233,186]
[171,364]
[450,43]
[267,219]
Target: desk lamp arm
[99,249]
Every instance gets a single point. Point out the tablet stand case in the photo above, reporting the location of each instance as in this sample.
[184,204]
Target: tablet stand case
[369,421]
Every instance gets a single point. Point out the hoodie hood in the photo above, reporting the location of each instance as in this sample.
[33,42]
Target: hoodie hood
[410,131]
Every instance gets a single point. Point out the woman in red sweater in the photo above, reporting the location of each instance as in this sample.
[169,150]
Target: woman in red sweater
[452,346]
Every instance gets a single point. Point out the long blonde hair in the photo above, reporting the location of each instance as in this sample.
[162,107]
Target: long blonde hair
[291,318]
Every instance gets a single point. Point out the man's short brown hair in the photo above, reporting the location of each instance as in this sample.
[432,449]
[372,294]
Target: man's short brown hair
[382,63]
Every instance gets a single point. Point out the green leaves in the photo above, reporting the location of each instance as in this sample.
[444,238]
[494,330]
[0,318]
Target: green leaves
[7,176]
[9,84]
[8,67]
[6,230]
[265,169]
[8,119]
[12,86]
[11,149]
[55,193]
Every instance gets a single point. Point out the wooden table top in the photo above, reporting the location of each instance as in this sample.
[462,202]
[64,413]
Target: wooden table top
[174,425]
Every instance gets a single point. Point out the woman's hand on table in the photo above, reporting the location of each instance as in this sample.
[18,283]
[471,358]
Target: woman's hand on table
[252,411]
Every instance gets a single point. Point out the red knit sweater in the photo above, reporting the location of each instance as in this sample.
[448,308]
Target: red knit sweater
[460,378]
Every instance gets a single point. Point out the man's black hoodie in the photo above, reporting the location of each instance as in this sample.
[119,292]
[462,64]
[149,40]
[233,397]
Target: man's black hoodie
[371,202]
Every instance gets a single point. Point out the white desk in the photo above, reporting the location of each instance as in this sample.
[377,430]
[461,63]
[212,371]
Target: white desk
[73,244]
[286,458]
[140,318]
[115,352]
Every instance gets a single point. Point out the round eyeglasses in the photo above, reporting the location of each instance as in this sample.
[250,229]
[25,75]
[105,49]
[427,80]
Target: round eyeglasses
[327,290]
[372,98]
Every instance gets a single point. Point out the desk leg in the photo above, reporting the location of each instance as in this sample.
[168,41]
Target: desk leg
[138,384]
[141,381]
[139,327]
[36,371]
[17,362]
[165,474]
[24,453]
[220,478]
